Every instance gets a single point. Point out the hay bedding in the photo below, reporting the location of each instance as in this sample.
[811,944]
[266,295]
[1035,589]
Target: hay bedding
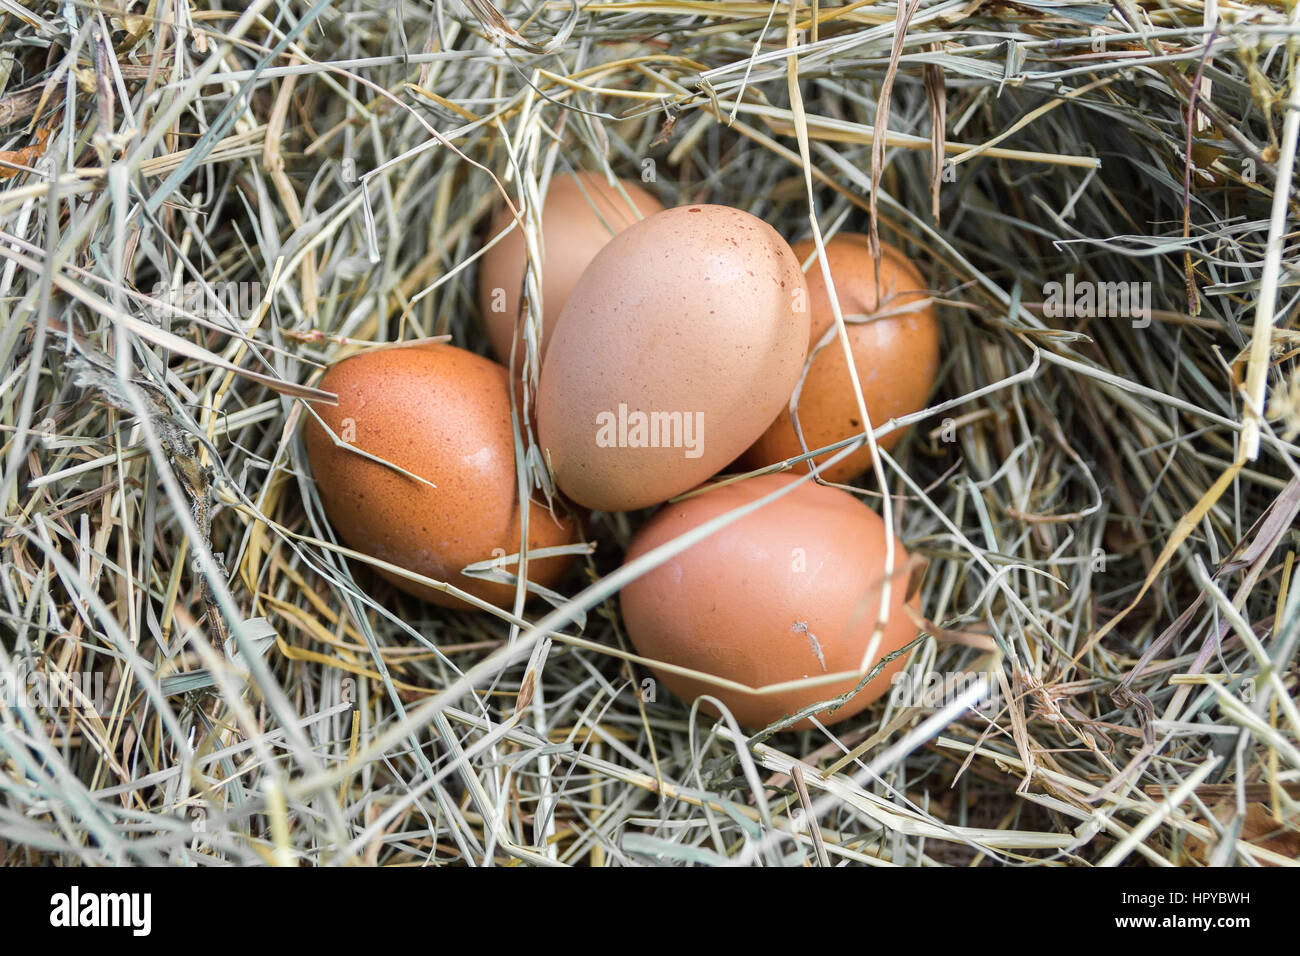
[1107,503]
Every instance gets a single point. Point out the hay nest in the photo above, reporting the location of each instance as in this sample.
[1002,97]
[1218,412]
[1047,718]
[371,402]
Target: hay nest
[1107,496]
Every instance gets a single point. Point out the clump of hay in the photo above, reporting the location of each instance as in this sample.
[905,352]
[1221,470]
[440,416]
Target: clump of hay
[199,212]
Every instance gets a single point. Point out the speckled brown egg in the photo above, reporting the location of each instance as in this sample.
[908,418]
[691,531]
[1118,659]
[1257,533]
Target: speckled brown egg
[787,592]
[895,352]
[580,214]
[678,346]
[442,414]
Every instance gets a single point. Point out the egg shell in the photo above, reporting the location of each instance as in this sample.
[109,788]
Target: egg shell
[443,414]
[697,311]
[896,357]
[580,214]
[789,591]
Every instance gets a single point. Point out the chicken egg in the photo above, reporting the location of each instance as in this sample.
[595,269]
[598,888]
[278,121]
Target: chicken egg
[786,592]
[440,414]
[895,353]
[677,347]
[580,214]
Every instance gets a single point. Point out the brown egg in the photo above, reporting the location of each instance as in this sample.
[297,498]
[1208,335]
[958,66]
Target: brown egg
[678,346]
[896,356]
[786,592]
[1259,828]
[443,414]
[580,214]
